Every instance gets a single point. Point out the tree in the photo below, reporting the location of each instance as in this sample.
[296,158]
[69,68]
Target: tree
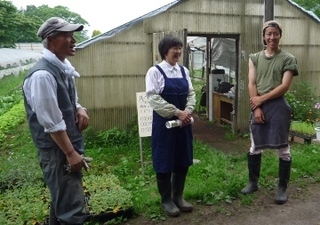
[44,12]
[8,24]
[312,5]
[22,25]
[96,33]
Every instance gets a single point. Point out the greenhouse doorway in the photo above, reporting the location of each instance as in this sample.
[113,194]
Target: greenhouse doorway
[213,59]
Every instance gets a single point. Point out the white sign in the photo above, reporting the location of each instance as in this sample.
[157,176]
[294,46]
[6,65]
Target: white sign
[144,115]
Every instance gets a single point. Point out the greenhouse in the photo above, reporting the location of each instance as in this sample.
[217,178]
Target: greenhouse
[13,61]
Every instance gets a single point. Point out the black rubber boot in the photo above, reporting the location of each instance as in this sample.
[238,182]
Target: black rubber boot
[178,181]
[284,176]
[164,187]
[254,165]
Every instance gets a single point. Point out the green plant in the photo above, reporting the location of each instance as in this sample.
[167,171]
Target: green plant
[105,194]
[9,100]
[198,85]
[11,120]
[303,128]
[11,83]
[25,205]
[101,139]
[302,98]
[116,171]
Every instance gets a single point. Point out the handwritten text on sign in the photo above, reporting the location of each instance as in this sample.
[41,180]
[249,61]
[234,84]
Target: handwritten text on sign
[144,115]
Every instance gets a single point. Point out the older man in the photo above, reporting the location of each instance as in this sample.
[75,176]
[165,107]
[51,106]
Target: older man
[56,120]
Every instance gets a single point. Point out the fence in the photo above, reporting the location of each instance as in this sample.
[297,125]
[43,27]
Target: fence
[36,47]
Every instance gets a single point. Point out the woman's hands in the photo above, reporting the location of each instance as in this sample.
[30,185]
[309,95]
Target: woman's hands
[185,117]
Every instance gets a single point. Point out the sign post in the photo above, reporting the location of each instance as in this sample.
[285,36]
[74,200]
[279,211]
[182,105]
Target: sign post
[144,120]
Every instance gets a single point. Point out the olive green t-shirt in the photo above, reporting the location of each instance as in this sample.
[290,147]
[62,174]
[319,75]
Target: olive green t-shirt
[270,70]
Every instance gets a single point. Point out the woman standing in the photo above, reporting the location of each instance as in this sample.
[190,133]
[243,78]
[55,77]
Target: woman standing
[170,93]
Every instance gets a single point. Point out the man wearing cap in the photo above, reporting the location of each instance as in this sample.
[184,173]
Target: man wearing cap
[56,121]
[270,75]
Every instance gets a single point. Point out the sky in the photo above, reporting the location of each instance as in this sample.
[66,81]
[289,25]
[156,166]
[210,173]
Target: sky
[102,15]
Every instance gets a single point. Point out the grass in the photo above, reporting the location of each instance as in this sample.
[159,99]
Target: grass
[10,83]
[216,180]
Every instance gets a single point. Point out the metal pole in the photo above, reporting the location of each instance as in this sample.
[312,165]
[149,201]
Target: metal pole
[141,156]
[268,10]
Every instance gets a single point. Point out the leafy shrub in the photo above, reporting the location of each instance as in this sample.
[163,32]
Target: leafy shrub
[27,205]
[8,101]
[199,87]
[302,99]
[112,137]
[11,83]
[104,194]
[11,120]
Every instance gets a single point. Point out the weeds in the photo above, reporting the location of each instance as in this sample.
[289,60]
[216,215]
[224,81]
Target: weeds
[217,179]
[302,99]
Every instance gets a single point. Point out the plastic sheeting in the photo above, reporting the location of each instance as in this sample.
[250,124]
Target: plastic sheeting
[13,61]
[223,53]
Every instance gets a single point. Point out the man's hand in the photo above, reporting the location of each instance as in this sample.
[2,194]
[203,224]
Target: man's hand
[258,115]
[75,162]
[82,119]
[255,102]
[74,165]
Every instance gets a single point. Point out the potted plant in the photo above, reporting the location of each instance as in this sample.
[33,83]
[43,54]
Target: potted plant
[105,198]
[302,131]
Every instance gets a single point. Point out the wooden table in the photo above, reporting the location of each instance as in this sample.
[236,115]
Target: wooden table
[222,108]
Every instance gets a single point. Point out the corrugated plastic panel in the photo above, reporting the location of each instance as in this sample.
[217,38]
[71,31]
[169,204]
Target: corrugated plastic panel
[113,69]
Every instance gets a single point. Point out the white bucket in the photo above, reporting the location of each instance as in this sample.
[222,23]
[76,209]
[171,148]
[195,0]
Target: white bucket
[318,132]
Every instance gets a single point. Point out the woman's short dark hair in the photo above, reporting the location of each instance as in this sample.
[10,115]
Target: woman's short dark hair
[166,43]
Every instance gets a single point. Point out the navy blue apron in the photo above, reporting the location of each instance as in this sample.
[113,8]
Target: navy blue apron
[172,147]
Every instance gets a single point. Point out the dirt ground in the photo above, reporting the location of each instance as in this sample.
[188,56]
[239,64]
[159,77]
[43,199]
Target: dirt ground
[302,207]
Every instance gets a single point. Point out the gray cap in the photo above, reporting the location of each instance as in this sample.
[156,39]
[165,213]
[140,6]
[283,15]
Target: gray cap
[57,24]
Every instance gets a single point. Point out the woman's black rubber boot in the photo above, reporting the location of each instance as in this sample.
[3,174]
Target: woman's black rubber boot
[178,181]
[164,187]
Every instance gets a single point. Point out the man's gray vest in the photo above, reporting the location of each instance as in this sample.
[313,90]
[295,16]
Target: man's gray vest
[66,102]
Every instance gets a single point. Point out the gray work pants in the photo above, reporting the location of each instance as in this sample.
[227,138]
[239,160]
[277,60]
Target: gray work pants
[65,188]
